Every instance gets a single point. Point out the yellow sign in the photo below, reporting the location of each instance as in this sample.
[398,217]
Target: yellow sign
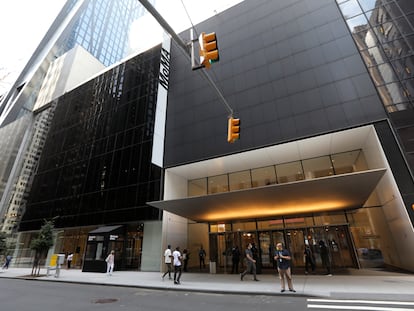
[53,260]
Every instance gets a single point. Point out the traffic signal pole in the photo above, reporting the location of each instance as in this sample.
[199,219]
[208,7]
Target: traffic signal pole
[184,48]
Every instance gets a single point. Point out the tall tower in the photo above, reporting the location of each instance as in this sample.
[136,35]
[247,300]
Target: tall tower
[99,28]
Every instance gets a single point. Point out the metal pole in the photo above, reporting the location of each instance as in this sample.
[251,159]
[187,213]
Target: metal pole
[184,47]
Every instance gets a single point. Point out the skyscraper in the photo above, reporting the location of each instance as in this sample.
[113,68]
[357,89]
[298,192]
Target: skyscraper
[95,35]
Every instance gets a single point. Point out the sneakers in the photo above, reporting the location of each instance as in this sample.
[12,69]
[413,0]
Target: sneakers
[256,280]
[292,290]
[282,290]
[177,282]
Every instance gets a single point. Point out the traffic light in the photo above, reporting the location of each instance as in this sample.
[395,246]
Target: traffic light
[208,49]
[233,130]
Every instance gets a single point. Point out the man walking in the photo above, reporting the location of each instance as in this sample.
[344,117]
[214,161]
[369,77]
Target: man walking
[283,258]
[251,263]
[167,261]
[177,265]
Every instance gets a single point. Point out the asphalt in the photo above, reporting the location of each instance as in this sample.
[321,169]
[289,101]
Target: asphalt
[348,284]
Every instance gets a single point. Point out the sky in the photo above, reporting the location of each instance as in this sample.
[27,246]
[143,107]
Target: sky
[23,23]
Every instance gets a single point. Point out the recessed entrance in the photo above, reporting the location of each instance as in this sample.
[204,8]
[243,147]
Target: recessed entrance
[336,237]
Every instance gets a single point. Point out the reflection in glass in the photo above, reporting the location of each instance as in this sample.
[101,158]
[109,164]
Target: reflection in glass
[218,184]
[263,176]
[348,162]
[318,167]
[240,180]
[288,172]
[350,8]
[197,187]
[357,23]
[368,5]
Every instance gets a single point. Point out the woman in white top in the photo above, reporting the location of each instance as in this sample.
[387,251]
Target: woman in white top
[110,260]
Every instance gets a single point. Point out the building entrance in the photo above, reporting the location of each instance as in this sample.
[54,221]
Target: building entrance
[336,237]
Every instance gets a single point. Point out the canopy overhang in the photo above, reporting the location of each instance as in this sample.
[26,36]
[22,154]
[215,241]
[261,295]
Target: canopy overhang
[332,193]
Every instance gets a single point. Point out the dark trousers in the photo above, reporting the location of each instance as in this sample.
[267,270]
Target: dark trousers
[168,271]
[251,268]
[235,266]
[177,271]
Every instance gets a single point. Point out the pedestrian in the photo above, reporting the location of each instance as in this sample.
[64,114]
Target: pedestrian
[177,265]
[235,259]
[186,257]
[326,263]
[202,257]
[250,263]
[283,259]
[69,260]
[7,262]
[167,261]
[110,262]
[309,259]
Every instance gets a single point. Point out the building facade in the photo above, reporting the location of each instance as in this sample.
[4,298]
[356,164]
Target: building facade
[86,37]
[322,89]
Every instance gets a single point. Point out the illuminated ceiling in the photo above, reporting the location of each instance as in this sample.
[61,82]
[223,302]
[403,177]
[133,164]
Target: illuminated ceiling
[338,192]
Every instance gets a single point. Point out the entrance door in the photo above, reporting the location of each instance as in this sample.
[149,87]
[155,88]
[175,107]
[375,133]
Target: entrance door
[339,243]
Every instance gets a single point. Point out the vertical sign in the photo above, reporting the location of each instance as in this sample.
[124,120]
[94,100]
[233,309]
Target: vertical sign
[161,110]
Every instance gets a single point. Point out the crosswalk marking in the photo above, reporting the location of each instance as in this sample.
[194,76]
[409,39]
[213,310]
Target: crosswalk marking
[345,304]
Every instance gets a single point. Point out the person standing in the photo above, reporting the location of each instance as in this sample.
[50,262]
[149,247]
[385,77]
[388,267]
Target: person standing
[309,259]
[186,257]
[202,257]
[251,263]
[167,261]
[110,263]
[283,259]
[177,265]
[323,251]
[235,258]
[69,260]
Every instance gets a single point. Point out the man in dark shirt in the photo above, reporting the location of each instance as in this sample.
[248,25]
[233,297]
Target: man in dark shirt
[251,263]
[282,257]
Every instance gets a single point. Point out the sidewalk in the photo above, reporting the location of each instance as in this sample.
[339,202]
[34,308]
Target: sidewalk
[354,284]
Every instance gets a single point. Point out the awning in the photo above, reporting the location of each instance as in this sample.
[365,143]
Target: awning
[105,229]
[338,192]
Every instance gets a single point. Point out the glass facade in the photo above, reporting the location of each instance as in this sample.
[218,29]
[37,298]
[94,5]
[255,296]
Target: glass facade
[102,28]
[351,237]
[97,156]
[384,34]
[340,163]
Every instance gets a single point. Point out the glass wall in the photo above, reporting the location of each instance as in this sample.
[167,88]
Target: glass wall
[351,238]
[383,32]
[335,164]
[97,155]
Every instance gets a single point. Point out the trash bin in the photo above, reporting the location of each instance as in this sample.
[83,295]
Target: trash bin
[212,267]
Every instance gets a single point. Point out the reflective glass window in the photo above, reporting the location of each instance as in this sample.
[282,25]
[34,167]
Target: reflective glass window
[392,93]
[288,172]
[218,184]
[346,162]
[240,180]
[368,5]
[357,23]
[263,176]
[197,187]
[350,8]
[317,167]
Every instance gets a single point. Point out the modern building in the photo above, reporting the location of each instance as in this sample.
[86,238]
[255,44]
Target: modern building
[97,35]
[323,92]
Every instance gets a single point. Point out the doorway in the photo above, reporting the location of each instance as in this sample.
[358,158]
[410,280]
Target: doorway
[337,238]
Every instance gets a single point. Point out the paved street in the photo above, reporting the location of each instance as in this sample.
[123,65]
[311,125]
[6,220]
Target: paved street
[349,284]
